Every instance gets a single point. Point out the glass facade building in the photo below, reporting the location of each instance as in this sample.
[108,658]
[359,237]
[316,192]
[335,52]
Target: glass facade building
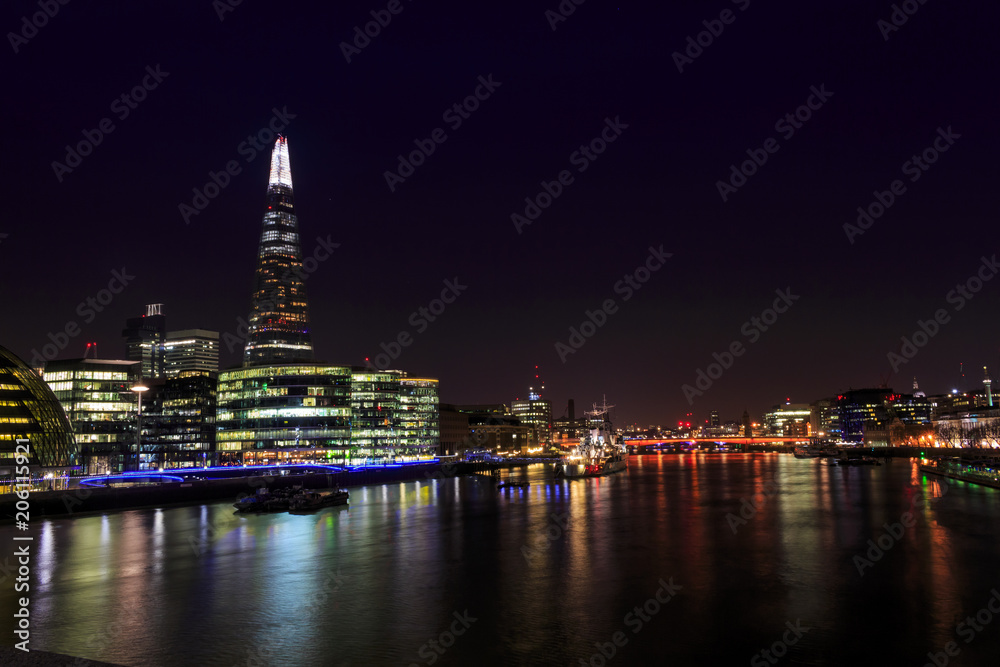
[191,352]
[29,410]
[278,414]
[97,397]
[279,320]
[419,417]
[374,415]
[536,413]
[144,339]
[178,423]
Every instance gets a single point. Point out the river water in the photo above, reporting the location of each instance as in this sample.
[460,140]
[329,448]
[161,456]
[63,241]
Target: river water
[683,559]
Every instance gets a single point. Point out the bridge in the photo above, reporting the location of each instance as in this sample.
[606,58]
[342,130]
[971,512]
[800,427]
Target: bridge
[734,440]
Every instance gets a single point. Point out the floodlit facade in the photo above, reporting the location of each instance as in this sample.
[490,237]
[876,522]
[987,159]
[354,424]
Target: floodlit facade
[789,420]
[97,397]
[279,320]
[535,413]
[374,414]
[277,414]
[191,352]
[419,417]
[29,410]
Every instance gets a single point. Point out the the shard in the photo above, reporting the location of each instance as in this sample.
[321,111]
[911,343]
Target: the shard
[278,329]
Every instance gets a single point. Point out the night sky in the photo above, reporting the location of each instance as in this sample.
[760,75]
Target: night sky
[655,185]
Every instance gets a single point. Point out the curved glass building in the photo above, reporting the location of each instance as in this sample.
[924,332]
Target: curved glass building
[29,410]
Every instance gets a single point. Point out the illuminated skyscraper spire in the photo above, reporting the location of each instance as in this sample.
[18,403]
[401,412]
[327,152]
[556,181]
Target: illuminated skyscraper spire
[279,316]
[989,391]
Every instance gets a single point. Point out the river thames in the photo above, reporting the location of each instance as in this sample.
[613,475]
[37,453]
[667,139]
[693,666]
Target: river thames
[687,560]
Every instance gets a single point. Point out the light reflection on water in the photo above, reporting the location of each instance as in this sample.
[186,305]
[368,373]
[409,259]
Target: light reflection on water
[374,583]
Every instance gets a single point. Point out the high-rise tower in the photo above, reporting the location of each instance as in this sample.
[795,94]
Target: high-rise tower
[279,315]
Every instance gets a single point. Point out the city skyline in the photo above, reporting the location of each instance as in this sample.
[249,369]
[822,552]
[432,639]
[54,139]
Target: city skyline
[652,190]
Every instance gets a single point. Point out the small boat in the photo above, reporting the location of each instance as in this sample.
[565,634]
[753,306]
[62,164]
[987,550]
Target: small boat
[266,500]
[311,501]
[806,452]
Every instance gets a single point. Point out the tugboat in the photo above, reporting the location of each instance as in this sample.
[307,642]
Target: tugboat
[598,452]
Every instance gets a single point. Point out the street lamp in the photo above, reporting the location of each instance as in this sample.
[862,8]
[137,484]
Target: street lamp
[138,389]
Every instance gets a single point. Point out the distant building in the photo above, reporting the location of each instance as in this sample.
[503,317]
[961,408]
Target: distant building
[789,420]
[826,419]
[536,413]
[747,425]
[144,339]
[874,409]
[455,435]
[97,396]
[502,434]
[713,419]
[191,352]
[29,410]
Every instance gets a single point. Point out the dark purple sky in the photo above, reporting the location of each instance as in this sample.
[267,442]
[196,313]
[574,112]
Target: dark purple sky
[655,184]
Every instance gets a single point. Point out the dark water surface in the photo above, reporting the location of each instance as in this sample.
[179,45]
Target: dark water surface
[373,584]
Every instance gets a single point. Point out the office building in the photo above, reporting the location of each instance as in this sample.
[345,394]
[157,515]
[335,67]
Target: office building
[178,422]
[191,352]
[280,414]
[144,339]
[279,315]
[97,397]
[419,417]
